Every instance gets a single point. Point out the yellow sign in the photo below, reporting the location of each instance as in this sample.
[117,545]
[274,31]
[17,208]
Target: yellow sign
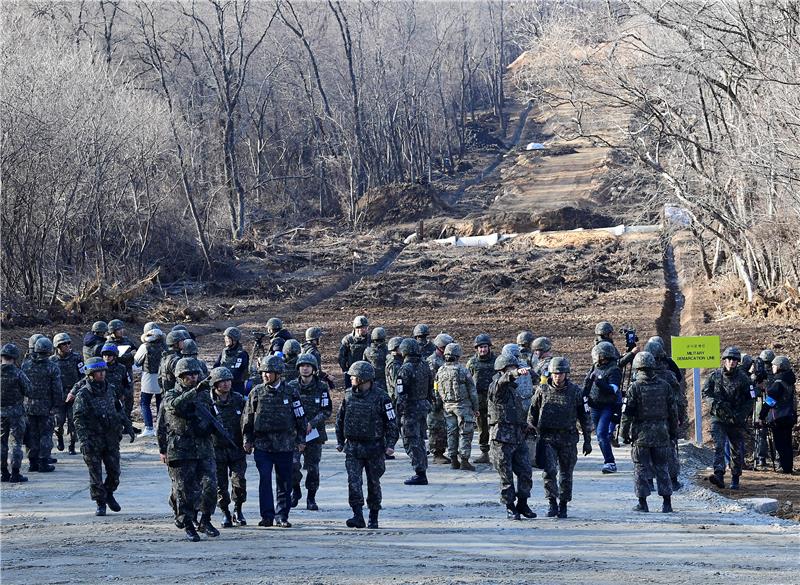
[696,352]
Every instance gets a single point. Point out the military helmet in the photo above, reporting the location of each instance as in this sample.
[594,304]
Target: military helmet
[274,324]
[747,361]
[442,340]
[61,338]
[421,330]
[115,325]
[452,349]
[220,374]
[109,348]
[360,321]
[524,337]
[94,364]
[782,363]
[307,359]
[644,360]
[362,370]
[33,339]
[658,339]
[604,349]
[767,356]
[99,327]
[149,326]
[272,364]
[483,339]
[292,347]
[656,349]
[542,344]
[732,353]
[559,365]
[409,346]
[10,351]
[43,345]
[505,360]
[511,349]
[603,328]
[190,347]
[313,333]
[187,366]
[233,332]
[179,327]
[378,334]
[174,337]
[394,343]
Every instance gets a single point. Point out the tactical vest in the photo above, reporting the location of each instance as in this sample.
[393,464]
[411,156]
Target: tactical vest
[558,408]
[482,371]
[274,412]
[452,383]
[11,394]
[654,400]
[311,396]
[230,414]
[166,369]
[357,347]
[597,395]
[376,355]
[117,378]
[435,361]
[361,416]
[152,359]
[310,349]
[40,372]
[525,388]
[508,411]
[70,367]
[232,358]
[418,383]
[392,370]
[101,406]
[290,370]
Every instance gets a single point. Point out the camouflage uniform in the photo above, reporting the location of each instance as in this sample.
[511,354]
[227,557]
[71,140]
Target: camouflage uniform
[237,361]
[554,412]
[437,427]
[118,378]
[393,365]
[71,368]
[125,359]
[92,344]
[15,387]
[311,348]
[318,407]
[456,389]
[46,394]
[229,461]
[663,372]
[350,351]
[650,422]
[378,354]
[426,349]
[166,369]
[413,405]
[366,426]
[482,370]
[509,450]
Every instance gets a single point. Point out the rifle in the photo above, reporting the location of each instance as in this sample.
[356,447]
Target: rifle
[616,418]
[215,423]
[771,447]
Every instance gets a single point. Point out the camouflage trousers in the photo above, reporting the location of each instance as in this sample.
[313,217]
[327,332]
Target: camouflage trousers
[236,470]
[127,403]
[735,435]
[674,461]
[311,456]
[96,457]
[413,425]
[12,430]
[437,432]
[374,468]
[460,429]
[64,416]
[511,459]
[561,455]
[649,462]
[194,485]
[39,436]
[483,421]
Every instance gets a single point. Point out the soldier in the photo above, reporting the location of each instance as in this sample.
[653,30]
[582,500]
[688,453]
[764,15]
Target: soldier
[353,346]
[148,357]
[414,389]
[169,358]
[190,350]
[604,331]
[508,429]
[420,333]
[94,341]
[15,387]
[376,354]
[316,399]
[366,430]
[762,378]
[230,458]
[556,408]
[70,364]
[235,358]
[393,362]
[118,378]
[437,428]
[291,351]
[31,348]
[99,420]
[780,411]
[190,449]
[116,335]
[481,366]
[524,388]
[278,335]
[524,341]
[45,396]
[602,388]
[274,423]
[311,344]
[540,359]
[456,389]
[728,391]
[650,422]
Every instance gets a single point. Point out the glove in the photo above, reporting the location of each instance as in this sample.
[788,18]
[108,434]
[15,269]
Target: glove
[132,435]
[340,448]
[587,447]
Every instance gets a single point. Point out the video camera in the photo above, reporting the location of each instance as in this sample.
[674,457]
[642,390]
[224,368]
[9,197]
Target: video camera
[630,337]
[760,370]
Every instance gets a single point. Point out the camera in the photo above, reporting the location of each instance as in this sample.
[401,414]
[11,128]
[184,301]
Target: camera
[630,337]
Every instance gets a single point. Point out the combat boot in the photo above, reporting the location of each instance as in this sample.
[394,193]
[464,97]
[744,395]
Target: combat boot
[511,512]
[44,466]
[373,518]
[676,485]
[60,441]
[734,482]
[296,495]
[190,531]
[265,522]
[16,476]
[666,507]
[524,509]
[417,479]
[357,521]
[72,447]
[52,460]
[283,523]
[466,465]
[552,512]
[101,510]
[562,509]
[239,516]
[5,476]
[482,458]
[717,479]
[206,527]
[112,503]
[454,464]
[311,502]
[228,521]
[33,465]
[441,459]
[641,506]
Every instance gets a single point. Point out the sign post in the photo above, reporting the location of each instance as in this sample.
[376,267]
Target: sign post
[695,353]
